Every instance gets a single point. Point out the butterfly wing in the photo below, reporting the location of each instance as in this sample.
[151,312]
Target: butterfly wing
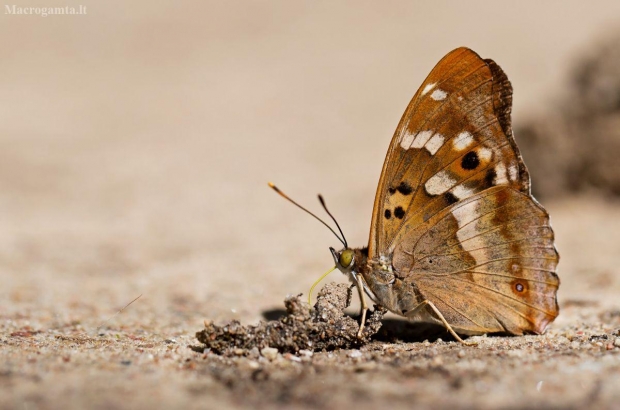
[453,150]
[453,140]
[487,263]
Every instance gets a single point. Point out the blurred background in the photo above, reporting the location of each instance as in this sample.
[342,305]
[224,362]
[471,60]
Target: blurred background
[136,142]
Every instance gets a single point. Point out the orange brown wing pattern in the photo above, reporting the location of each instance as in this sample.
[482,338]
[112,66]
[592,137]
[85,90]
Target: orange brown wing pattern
[453,141]
[495,250]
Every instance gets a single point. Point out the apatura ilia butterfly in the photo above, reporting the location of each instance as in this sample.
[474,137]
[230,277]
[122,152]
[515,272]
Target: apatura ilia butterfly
[456,237]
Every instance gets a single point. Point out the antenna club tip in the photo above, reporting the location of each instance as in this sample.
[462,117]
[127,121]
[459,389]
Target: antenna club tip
[273,186]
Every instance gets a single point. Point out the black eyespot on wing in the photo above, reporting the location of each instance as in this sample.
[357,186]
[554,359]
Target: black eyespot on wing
[519,287]
[399,212]
[404,188]
[470,160]
[392,191]
[489,178]
[387,214]
[450,198]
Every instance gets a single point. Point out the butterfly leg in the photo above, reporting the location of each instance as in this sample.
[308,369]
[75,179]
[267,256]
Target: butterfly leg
[443,320]
[360,290]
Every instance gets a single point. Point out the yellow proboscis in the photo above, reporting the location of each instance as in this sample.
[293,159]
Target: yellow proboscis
[317,282]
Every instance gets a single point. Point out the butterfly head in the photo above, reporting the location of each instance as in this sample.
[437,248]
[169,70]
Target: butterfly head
[345,259]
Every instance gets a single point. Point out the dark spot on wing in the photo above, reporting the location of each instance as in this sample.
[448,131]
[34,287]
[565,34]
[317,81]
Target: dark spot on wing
[391,191]
[519,287]
[387,214]
[489,178]
[470,161]
[450,198]
[404,188]
[399,212]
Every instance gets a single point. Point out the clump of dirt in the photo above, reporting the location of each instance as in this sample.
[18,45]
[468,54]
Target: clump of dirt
[574,145]
[323,327]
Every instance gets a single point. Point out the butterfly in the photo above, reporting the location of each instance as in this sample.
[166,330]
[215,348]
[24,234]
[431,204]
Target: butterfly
[456,237]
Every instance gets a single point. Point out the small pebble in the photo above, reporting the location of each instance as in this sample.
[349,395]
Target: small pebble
[253,365]
[461,353]
[355,354]
[617,342]
[307,353]
[269,353]
[292,358]
[239,352]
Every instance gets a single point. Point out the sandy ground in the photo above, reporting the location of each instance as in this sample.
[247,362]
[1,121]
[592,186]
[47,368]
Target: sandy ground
[136,143]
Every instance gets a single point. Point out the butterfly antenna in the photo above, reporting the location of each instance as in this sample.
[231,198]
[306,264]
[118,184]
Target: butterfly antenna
[283,195]
[333,219]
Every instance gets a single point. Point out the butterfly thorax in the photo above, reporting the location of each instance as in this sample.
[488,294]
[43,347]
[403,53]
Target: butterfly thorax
[381,281]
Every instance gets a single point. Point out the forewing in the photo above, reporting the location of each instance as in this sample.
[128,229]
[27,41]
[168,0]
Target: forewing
[453,141]
[487,263]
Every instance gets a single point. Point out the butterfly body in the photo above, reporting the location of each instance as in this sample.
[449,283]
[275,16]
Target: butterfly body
[456,237]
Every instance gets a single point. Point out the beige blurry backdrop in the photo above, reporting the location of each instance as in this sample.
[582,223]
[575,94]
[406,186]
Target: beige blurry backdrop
[137,140]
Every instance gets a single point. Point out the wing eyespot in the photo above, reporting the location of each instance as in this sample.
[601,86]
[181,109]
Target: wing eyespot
[519,287]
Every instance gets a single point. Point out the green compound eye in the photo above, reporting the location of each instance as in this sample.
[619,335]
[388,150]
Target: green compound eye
[346,257]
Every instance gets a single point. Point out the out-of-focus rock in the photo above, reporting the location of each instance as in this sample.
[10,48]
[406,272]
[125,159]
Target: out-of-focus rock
[576,146]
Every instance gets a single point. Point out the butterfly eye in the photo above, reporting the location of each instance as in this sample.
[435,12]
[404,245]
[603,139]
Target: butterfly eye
[346,258]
